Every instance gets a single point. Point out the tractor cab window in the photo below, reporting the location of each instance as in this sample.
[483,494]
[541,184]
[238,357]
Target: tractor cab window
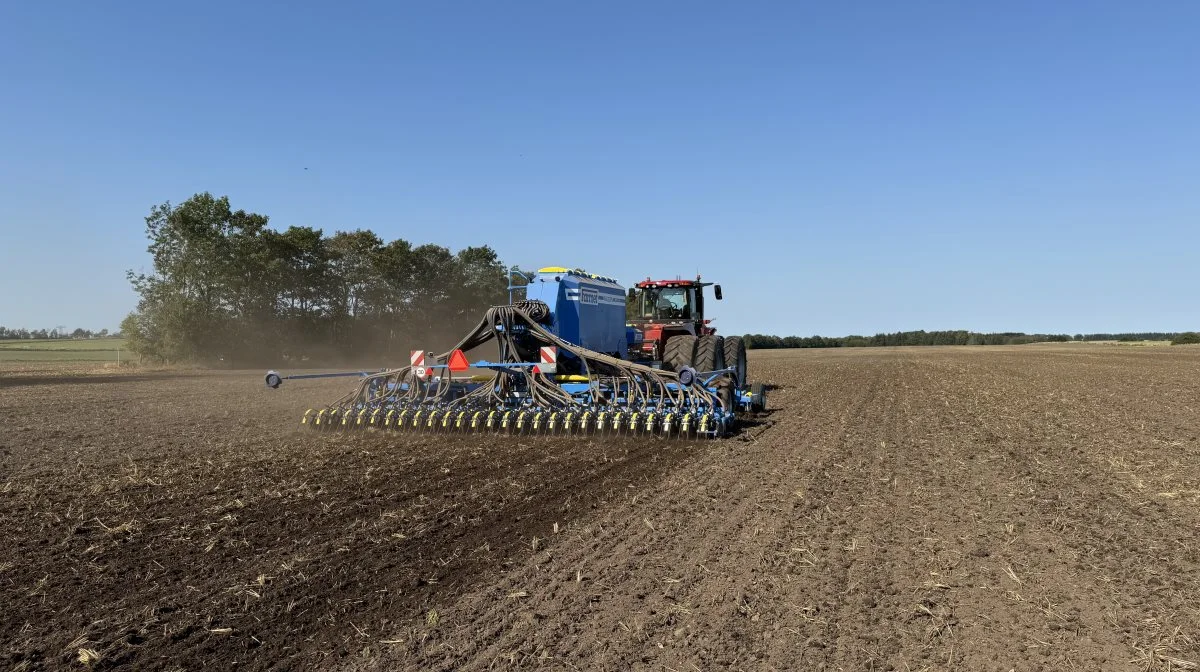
[666,303]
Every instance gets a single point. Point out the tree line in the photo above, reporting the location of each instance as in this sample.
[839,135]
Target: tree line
[227,288]
[955,337]
[1136,336]
[9,334]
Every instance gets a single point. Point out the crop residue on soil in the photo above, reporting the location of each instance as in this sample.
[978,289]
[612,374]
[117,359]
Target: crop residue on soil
[927,508]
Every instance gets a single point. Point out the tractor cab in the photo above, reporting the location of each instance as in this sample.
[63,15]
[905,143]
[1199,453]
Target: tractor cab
[660,309]
[663,304]
[668,301]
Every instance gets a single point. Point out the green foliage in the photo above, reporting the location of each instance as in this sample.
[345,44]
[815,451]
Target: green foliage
[1186,338]
[226,287]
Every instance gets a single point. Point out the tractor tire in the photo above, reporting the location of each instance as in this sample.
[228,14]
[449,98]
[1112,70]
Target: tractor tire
[710,354]
[678,352]
[735,356]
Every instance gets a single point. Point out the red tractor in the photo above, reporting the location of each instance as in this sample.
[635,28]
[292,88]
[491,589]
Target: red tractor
[668,316]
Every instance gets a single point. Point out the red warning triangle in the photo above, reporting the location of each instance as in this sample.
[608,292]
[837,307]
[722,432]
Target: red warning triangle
[458,361]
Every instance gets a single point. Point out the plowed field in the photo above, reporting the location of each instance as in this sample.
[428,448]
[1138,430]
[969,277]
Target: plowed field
[1027,508]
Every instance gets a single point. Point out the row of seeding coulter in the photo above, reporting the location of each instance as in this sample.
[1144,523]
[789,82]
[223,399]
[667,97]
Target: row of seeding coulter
[578,355]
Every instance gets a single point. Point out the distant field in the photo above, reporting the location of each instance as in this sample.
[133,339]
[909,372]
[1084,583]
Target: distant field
[63,350]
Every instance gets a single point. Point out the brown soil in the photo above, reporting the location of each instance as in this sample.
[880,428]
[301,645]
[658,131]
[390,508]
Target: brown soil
[904,509]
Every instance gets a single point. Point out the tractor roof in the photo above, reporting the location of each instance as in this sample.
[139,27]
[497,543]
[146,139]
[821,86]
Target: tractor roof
[678,282]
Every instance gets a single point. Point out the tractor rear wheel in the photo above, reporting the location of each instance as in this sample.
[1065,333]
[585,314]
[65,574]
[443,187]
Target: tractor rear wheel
[679,352]
[710,354]
[735,356]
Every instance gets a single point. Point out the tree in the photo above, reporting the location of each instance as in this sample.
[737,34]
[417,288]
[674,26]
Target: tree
[226,285]
[1186,338]
[140,336]
[186,300]
[481,281]
[352,259]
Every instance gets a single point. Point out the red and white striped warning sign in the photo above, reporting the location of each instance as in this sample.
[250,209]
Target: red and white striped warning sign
[549,360]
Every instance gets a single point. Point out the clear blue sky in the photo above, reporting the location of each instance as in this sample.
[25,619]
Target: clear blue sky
[838,167]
